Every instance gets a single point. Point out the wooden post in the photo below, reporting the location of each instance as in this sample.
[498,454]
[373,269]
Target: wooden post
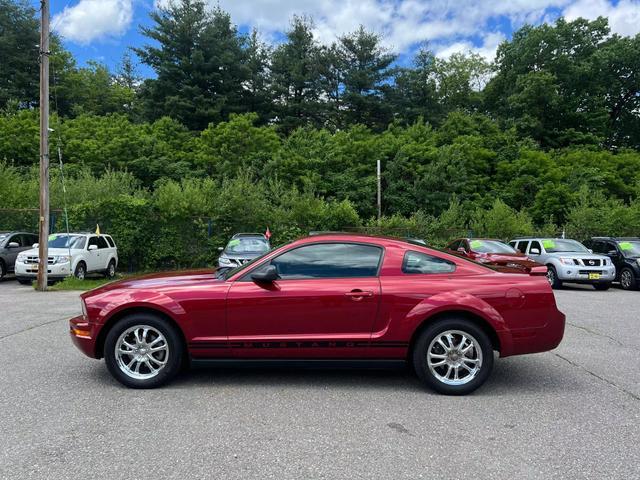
[43,250]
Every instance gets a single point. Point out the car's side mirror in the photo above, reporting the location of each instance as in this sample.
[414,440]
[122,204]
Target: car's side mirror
[13,245]
[93,247]
[612,253]
[35,245]
[268,275]
[220,249]
[462,251]
[534,251]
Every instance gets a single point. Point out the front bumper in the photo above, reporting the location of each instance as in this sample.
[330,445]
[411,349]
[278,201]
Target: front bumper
[83,335]
[580,274]
[30,270]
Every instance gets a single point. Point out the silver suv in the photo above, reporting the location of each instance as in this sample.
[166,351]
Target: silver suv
[568,261]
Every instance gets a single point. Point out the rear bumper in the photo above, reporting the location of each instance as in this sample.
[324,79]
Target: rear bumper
[535,340]
[83,335]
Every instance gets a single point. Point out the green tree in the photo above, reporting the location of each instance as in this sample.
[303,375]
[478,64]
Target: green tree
[200,62]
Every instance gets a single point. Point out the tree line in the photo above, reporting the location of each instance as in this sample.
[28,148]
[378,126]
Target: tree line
[551,127]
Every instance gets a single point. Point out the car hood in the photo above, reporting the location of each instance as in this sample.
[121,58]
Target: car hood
[158,281]
[577,255]
[52,251]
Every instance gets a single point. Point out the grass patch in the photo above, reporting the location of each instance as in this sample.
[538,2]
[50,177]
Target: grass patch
[72,283]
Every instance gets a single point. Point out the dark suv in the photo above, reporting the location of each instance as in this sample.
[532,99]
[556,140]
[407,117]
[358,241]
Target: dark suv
[11,244]
[625,255]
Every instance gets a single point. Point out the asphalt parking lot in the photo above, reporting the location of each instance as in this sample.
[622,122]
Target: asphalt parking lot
[570,413]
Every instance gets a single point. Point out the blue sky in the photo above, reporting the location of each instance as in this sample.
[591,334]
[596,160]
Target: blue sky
[102,30]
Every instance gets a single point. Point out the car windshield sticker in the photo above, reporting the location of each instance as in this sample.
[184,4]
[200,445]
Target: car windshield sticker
[624,246]
[548,244]
[476,243]
[52,237]
[233,243]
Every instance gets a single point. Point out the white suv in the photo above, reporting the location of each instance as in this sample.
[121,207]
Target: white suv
[74,254]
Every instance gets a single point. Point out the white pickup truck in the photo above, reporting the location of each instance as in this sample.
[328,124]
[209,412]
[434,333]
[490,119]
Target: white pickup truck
[71,254]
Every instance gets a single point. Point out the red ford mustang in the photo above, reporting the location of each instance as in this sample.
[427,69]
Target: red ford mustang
[327,297]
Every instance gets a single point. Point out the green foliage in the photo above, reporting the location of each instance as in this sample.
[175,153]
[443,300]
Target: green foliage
[501,221]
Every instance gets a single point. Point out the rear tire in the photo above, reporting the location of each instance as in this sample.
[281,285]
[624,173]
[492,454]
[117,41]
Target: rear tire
[628,279]
[552,276]
[3,270]
[453,356]
[156,347]
[110,272]
[602,286]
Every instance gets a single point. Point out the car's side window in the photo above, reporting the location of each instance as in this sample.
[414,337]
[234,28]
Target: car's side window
[513,244]
[102,243]
[327,260]
[418,262]
[16,239]
[110,241]
[92,241]
[455,245]
[535,245]
[610,246]
[522,246]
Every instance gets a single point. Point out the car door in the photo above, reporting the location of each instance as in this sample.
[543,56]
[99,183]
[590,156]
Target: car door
[93,256]
[323,305]
[12,252]
[611,250]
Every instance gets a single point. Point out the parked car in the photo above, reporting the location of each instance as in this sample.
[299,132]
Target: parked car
[71,254]
[325,297]
[492,252]
[568,261]
[11,244]
[242,248]
[624,254]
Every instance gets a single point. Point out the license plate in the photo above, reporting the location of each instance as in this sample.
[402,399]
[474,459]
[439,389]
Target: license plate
[594,276]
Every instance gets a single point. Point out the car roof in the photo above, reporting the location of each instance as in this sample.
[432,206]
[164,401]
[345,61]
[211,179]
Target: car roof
[615,239]
[248,235]
[363,238]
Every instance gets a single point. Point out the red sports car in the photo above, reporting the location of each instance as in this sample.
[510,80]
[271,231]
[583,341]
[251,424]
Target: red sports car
[492,252]
[327,297]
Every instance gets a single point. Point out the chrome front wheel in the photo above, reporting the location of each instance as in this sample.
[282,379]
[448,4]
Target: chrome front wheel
[141,352]
[454,357]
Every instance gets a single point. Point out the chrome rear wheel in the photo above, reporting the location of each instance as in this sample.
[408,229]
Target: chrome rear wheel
[454,357]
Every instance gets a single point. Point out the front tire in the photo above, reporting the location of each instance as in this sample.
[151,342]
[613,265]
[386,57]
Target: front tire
[143,351]
[3,270]
[453,356]
[552,276]
[628,279]
[81,271]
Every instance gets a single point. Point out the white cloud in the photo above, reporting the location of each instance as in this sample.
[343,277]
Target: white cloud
[624,17]
[91,20]
[448,25]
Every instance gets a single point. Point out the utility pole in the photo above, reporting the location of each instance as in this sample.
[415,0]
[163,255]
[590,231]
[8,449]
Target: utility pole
[43,248]
[379,179]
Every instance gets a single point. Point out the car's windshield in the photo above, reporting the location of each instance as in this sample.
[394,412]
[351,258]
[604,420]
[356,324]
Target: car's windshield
[66,241]
[247,245]
[491,246]
[229,272]
[556,245]
[630,248]
[3,236]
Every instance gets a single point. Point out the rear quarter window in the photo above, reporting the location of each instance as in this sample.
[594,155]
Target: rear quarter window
[422,263]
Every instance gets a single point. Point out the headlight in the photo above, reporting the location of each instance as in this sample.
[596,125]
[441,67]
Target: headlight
[225,261]
[21,257]
[61,259]
[567,261]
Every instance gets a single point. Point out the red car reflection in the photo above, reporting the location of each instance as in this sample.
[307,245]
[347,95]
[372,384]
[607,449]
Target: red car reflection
[492,252]
[331,297]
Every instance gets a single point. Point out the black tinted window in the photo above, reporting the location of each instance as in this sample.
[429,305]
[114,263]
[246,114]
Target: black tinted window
[16,239]
[535,244]
[454,245]
[93,241]
[110,241]
[102,243]
[329,260]
[417,262]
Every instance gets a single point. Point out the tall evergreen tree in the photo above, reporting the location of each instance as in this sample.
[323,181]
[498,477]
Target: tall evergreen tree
[258,92]
[199,62]
[367,71]
[296,78]
[19,40]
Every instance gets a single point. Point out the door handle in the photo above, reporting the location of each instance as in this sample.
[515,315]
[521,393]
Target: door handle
[358,294]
